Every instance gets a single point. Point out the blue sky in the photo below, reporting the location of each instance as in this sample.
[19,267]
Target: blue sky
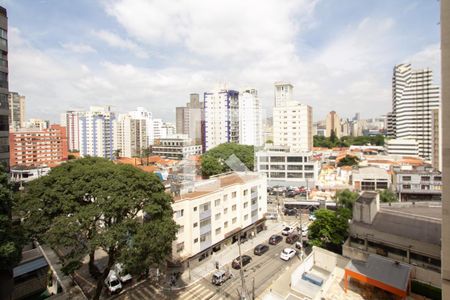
[339,55]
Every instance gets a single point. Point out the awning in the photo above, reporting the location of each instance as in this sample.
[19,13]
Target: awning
[30,266]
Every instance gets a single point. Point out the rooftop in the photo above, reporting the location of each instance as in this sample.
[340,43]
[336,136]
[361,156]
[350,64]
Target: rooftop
[367,197]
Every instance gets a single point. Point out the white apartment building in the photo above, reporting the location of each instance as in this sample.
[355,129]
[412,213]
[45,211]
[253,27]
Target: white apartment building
[250,118]
[71,120]
[283,93]
[178,146]
[130,135]
[158,131]
[402,147]
[38,124]
[96,132]
[142,114]
[168,129]
[287,168]
[221,118]
[413,98]
[292,126]
[216,212]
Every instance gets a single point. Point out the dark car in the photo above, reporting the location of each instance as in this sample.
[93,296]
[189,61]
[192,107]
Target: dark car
[292,238]
[261,249]
[245,261]
[275,239]
[290,212]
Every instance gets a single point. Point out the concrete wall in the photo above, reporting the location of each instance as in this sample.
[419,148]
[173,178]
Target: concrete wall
[328,260]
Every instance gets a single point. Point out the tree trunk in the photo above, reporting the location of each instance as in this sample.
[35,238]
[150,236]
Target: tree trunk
[93,270]
[6,284]
[101,279]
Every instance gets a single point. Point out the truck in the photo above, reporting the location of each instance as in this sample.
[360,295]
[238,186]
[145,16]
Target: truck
[220,276]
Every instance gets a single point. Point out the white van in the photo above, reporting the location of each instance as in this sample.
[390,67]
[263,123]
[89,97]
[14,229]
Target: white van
[112,282]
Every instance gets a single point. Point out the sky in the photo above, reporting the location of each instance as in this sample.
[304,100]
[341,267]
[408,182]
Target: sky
[339,55]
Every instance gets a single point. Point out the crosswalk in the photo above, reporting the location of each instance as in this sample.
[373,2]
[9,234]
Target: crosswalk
[197,292]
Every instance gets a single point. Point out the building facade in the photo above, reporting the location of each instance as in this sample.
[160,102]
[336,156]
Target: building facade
[418,184]
[37,124]
[142,114]
[34,147]
[413,98]
[221,118]
[130,136]
[333,123]
[293,126]
[287,168]
[402,147]
[71,120]
[16,111]
[250,118]
[371,179]
[215,212]
[436,158]
[189,119]
[283,93]
[4,110]
[97,133]
[176,147]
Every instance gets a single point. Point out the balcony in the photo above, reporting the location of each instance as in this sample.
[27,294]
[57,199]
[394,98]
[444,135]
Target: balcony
[205,229]
[205,214]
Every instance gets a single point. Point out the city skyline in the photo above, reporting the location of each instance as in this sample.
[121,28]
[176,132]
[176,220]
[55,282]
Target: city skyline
[105,57]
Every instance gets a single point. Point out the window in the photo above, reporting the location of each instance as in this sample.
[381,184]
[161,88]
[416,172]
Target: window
[205,207]
[217,202]
[253,201]
[180,229]
[309,175]
[245,217]
[309,168]
[295,167]
[234,220]
[195,208]
[406,178]
[179,213]
[277,159]
[263,167]
[254,213]
[233,195]
[225,225]
[180,247]
[437,178]
[195,240]
[277,167]
[406,186]
[225,197]
[245,192]
[233,208]
[195,224]
[218,230]
[263,159]
[205,222]
[202,238]
[217,216]
[295,175]
[225,211]
[295,159]
[425,178]
[277,174]
[245,204]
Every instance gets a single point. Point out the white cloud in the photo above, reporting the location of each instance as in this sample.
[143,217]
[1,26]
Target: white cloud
[78,48]
[114,40]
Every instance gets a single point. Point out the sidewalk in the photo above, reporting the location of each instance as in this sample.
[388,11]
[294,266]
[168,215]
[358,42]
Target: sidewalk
[226,255]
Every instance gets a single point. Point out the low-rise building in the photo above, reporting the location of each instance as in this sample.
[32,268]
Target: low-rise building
[403,147]
[421,183]
[287,168]
[176,147]
[217,211]
[371,179]
[406,232]
[37,147]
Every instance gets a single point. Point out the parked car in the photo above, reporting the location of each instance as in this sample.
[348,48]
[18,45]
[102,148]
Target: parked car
[290,212]
[312,217]
[291,194]
[275,239]
[287,230]
[271,216]
[261,249]
[245,261]
[120,272]
[292,238]
[287,254]
[112,282]
[220,276]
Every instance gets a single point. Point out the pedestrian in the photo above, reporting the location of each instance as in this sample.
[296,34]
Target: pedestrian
[217,265]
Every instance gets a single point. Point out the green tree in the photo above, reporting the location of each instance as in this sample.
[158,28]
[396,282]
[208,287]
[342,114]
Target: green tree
[213,161]
[11,237]
[92,203]
[346,198]
[388,196]
[348,160]
[333,137]
[330,229]
[117,153]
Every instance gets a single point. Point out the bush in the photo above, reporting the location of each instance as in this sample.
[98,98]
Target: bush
[426,290]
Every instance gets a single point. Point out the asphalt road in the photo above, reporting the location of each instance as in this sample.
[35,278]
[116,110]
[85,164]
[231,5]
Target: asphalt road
[262,270]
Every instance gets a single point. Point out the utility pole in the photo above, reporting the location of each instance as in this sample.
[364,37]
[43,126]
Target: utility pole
[243,294]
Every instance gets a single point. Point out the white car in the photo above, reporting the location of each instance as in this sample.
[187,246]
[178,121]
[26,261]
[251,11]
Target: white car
[118,268]
[112,282]
[312,217]
[287,230]
[287,254]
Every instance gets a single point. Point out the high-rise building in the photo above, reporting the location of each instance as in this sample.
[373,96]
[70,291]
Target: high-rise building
[250,118]
[333,123]
[16,111]
[37,124]
[142,114]
[130,135]
[189,119]
[221,118]
[292,126]
[283,93]
[96,132]
[402,147]
[35,147]
[413,98]
[157,130]
[4,111]
[71,120]
[168,129]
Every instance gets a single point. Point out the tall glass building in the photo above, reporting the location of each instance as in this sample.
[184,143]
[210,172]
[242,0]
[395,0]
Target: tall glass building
[4,111]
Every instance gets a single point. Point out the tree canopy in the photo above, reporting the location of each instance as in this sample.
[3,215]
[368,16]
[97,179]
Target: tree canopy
[347,141]
[330,229]
[92,203]
[348,160]
[346,198]
[214,161]
[388,196]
